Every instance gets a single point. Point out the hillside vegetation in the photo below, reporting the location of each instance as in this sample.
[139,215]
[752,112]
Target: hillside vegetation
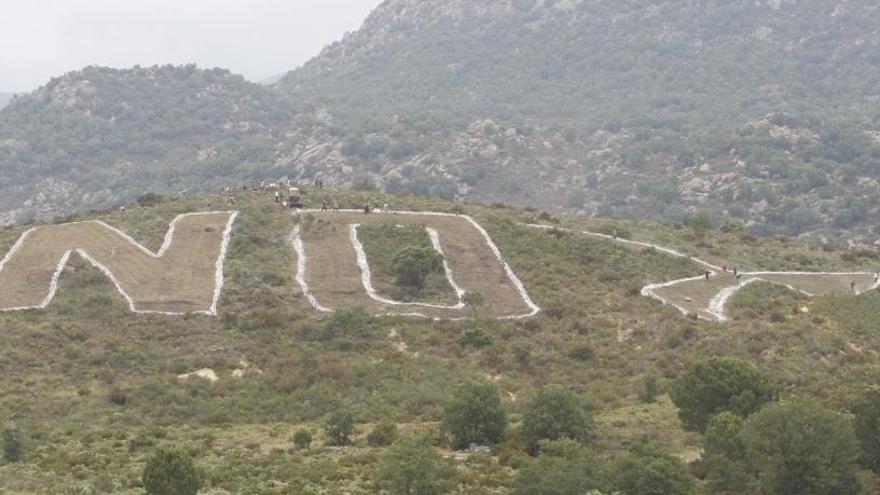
[763,111]
[92,390]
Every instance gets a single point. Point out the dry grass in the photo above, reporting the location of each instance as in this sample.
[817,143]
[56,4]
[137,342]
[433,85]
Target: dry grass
[182,280]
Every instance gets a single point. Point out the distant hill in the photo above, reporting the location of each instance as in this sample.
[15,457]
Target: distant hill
[5,98]
[763,113]
[103,136]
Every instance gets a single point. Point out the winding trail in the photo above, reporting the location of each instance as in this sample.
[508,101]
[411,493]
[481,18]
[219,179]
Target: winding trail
[708,298]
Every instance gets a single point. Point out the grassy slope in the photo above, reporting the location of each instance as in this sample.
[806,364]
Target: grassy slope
[597,336]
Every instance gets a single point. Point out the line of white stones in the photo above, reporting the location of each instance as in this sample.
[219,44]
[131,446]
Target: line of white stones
[717,305]
[301,259]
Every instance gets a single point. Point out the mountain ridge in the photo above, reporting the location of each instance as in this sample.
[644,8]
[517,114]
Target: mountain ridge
[755,112]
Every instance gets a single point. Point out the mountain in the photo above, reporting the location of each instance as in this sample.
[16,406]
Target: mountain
[761,111]
[87,379]
[5,98]
[103,136]
[758,112]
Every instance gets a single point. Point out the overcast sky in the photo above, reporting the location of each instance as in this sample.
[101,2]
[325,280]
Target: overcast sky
[40,39]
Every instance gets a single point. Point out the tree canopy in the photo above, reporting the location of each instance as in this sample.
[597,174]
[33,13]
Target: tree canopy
[719,384]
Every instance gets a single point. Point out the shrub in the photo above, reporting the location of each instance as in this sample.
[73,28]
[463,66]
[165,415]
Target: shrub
[475,337]
[563,468]
[867,427]
[150,199]
[799,448]
[412,466]
[171,472]
[646,473]
[302,439]
[474,415]
[582,352]
[412,265]
[339,428]
[383,434]
[346,324]
[719,384]
[13,451]
[650,389]
[118,397]
[554,413]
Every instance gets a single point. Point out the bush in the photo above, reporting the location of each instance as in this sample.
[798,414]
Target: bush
[13,451]
[582,352]
[650,389]
[554,413]
[383,434]
[563,468]
[171,472]
[302,439]
[799,449]
[412,466]
[474,415]
[475,337]
[645,473]
[719,384]
[118,397]
[347,324]
[339,428]
[412,265]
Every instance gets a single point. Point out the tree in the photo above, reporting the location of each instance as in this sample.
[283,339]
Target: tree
[474,415]
[554,413]
[719,384]
[643,472]
[867,427]
[725,454]
[12,448]
[412,265]
[171,472]
[802,449]
[302,439]
[563,468]
[339,428]
[412,467]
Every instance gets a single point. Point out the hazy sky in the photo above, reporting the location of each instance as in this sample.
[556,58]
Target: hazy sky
[40,39]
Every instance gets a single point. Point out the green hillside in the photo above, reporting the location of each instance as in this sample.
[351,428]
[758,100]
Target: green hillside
[91,390]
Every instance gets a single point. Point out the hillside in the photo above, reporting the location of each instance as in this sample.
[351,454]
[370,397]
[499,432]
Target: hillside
[102,136]
[93,388]
[763,112]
